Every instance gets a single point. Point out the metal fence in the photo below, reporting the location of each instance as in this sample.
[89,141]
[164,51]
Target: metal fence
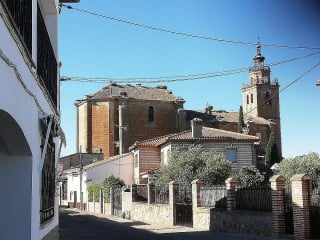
[213,196]
[142,193]
[254,198]
[161,194]
[184,194]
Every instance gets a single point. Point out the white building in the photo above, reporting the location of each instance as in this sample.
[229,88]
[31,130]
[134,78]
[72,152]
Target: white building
[120,166]
[30,135]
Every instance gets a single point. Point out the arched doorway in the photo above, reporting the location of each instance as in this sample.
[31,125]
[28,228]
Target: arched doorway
[15,180]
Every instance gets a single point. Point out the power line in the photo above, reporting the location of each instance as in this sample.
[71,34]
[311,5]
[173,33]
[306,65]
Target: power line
[177,78]
[185,34]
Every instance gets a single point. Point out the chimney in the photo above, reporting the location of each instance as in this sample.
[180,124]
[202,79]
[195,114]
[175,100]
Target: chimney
[196,127]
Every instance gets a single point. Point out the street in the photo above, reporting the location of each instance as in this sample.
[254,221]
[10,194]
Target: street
[82,226]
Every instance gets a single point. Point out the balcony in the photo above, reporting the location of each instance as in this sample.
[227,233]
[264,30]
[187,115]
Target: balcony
[20,16]
[47,67]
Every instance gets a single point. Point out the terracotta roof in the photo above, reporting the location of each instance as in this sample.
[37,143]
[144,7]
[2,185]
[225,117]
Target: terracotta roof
[224,116]
[208,135]
[136,92]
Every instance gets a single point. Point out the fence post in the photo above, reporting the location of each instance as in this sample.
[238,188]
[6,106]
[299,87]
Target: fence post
[134,193]
[196,202]
[300,184]
[173,188]
[151,193]
[196,185]
[278,206]
[231,185]
[111,200]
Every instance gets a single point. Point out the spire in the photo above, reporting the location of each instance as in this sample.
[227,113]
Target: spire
[258,58]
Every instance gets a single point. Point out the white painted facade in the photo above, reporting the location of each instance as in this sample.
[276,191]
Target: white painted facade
[120,166]
[22,100]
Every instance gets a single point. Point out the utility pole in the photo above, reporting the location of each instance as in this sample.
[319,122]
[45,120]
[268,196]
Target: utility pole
[81,168]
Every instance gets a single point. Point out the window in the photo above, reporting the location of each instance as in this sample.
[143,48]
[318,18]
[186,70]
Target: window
[248,99]
[231,154]
[48,184]
[251,97]
[151,114]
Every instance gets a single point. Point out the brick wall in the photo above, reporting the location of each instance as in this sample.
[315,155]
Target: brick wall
[149,159]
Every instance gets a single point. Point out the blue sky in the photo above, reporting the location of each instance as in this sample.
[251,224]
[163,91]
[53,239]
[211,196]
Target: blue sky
[91,46]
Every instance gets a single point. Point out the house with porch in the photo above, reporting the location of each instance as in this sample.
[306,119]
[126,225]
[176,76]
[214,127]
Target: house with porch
[148,155]
[30,133]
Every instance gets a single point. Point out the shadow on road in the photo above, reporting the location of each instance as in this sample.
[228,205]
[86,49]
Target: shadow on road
[75,225]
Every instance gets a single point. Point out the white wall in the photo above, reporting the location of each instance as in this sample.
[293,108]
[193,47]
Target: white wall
[22,98]
[119,167]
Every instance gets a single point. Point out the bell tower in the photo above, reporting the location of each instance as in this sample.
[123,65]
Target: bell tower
[260,98]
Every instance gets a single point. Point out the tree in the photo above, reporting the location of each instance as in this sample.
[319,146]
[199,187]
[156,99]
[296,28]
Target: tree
[241,123]
[194,163]
[249,176]
[272,154]
[109,182]
[309,164]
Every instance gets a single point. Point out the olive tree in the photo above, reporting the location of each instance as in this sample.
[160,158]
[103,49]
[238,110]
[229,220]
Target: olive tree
[195,163]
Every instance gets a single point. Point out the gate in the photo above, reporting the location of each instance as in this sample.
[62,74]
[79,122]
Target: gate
[315,221]
[117,202]
[315,213]
[288,209]
[184,216]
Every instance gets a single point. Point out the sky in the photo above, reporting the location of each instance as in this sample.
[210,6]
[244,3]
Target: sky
[93,46]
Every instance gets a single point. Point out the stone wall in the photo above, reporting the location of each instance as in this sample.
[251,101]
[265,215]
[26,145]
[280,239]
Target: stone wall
[150,213]
[243,222]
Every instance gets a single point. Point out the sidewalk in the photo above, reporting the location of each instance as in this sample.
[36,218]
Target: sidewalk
[173,232]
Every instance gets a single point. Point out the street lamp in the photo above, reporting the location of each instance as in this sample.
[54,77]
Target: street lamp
[318,83]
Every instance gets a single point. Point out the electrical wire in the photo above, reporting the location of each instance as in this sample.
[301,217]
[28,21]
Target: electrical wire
[185,34]
[177,78]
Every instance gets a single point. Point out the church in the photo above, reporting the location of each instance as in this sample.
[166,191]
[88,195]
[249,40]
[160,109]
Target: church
[117,116]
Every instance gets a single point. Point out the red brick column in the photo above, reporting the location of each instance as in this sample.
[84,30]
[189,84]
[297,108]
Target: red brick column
[278,211]
[231,185]
[173,188]
[300,184]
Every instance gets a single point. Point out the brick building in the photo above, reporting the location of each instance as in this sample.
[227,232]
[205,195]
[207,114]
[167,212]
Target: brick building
[117,116]
[113,118]
[261,108]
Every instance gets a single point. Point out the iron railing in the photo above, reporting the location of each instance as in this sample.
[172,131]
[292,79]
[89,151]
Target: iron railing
[47,67]
[161,194]
[20,13]
[48,185]
[254,198]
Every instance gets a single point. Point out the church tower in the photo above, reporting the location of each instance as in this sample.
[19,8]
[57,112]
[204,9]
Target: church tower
[260,98]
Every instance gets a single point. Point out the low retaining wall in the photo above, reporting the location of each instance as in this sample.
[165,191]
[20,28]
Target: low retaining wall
[150,213]
[244,222]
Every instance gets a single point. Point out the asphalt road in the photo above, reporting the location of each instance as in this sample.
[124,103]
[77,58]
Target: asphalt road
[82,226]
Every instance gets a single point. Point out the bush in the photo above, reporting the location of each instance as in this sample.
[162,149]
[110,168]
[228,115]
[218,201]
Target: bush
[109,182]
[249,176]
